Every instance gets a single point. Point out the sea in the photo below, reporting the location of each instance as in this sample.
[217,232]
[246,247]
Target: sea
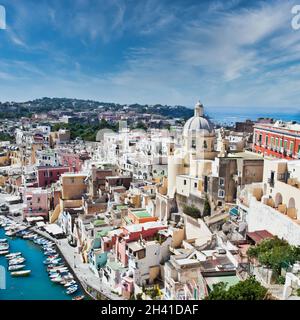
[37,286]
[228,116]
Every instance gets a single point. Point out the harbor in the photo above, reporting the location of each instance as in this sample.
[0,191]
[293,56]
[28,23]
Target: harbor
[34,269]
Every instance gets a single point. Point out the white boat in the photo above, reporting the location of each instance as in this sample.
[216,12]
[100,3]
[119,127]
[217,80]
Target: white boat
[4,246]
[13,255]
[57,279]
[22,273]
[3,240]
[71,290]
[16,261]
[3,252]
[70,283]
[28,236]
[10,233]
[16,267]
[64,269]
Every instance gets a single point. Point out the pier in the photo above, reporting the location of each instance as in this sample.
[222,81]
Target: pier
[90,283]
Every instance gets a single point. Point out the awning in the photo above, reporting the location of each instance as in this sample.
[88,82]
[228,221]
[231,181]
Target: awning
[234,211]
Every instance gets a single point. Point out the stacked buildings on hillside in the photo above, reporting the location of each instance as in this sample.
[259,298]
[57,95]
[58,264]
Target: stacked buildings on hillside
[161,214]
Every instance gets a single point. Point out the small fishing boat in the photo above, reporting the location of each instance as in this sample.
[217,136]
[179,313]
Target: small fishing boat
[3,252]
[28,236]
[16,267]
[70,283]
[64,269]
[23,273]
[3,241]
[16,261]
[69,276]
[13,255]
[78,298]
[71,290]
[52,261]
[4,246]
[10,233]
[57,279]
[52,266]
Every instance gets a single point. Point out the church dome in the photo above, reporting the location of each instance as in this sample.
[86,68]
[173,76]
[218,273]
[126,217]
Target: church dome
[198,123]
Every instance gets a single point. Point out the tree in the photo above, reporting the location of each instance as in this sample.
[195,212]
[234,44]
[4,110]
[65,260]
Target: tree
[207,208]
[274,253]
[249,289]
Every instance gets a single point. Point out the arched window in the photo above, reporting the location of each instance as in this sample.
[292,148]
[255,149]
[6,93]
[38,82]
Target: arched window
[291,203]
[278,199]
[194,144]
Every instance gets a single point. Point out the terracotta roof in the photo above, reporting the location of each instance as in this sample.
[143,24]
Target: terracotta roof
[259,235]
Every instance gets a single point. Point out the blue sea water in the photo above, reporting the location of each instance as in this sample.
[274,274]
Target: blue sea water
[35,287]
[232,115]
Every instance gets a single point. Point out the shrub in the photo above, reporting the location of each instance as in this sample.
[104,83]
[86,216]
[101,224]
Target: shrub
[192,211]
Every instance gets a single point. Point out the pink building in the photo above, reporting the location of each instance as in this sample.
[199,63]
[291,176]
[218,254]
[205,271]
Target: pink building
[74,161]
[48,175]
[37,202]
[134,232]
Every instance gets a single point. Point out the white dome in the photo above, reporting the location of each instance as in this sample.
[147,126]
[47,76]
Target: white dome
[198,123]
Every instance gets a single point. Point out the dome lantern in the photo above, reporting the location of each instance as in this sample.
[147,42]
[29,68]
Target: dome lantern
[198,109]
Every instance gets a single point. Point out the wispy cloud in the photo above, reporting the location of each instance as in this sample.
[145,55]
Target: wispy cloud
[233,53]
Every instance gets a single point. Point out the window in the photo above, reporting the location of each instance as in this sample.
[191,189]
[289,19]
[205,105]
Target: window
[184,182]
[272,142]
[221,182]
[267,140]
[193,143]
[195,185]
[205,144]
[221,193]
[276,142]
[291,146]
[285,144]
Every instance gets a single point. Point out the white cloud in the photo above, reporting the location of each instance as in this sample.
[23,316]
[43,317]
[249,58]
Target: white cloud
[224,56]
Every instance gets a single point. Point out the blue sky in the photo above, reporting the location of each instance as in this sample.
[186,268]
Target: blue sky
[226,53]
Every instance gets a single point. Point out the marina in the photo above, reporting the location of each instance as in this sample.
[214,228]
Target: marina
[35,270]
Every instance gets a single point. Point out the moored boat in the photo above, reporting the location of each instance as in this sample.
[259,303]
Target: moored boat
[22,273]
[4,246]
[78,298]
[70,283]
[72,289]
[13,255]
[3,252]
[16,267]
[16,261]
